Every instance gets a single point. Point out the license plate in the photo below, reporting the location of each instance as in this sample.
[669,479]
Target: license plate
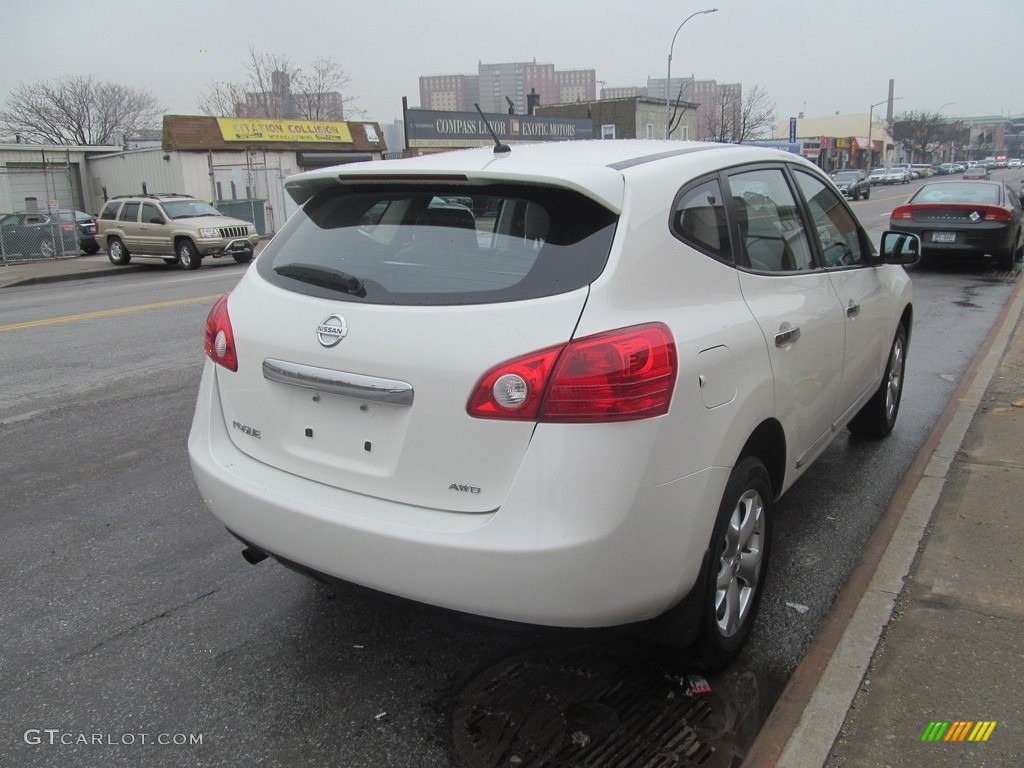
[943,237]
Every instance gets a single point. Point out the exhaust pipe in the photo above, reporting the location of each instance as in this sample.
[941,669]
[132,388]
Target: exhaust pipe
[253,556]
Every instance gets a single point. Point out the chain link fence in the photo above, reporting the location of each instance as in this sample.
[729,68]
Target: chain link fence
[37,219]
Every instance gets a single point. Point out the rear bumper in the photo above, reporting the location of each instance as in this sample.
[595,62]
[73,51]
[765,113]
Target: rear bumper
[571,546]
[974,244]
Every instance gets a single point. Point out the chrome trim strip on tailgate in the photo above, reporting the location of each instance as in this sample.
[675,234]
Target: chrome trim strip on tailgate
[339,382]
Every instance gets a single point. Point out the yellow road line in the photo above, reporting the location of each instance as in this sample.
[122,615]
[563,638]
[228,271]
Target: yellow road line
[106,313]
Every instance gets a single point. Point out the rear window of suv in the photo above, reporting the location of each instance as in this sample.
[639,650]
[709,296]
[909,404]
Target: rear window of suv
[416,244]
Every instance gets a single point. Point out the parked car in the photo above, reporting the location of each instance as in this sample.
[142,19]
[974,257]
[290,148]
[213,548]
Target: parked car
[974,220]
[1014,163]
[177,228]
[853,183]
[978,171]
[897,175]
[877,176]
[500,415]
[36,235]
[85,224]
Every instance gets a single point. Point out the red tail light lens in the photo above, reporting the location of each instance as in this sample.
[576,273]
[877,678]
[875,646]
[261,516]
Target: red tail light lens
[994,213]
[219,340]
[68,227]
[615,376]
[902,212]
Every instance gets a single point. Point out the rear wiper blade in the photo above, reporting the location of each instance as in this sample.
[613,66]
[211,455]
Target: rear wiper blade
[323,276]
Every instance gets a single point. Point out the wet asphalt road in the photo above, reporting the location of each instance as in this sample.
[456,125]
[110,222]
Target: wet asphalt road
[131,620]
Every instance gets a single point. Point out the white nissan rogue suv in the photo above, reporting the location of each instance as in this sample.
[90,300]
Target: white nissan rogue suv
[560,384]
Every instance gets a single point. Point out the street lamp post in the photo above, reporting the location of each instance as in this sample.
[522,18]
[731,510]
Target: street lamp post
[952,145]
[668,78]
[871,124]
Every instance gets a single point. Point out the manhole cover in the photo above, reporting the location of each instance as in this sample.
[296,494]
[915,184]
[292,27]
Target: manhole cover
[583,707]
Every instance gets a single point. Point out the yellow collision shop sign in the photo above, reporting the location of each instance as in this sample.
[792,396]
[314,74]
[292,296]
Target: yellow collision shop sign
[245,129]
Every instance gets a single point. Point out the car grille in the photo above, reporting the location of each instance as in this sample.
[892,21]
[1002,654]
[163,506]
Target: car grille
[233,231]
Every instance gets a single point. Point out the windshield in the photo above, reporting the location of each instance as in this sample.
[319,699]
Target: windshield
[431,245]
[186,209]
[847,177]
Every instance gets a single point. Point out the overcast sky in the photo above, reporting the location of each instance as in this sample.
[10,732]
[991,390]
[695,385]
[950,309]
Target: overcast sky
[813,56]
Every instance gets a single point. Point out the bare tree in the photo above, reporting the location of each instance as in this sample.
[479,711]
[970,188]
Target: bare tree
[735,120]
[919,133]
[721,118]
[78,110]
[275,88]
[222,99]
[318,92]
[757,116]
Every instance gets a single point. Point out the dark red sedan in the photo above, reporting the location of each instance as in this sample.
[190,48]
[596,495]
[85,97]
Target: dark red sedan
[964,220]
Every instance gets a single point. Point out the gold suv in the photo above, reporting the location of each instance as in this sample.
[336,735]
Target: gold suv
[174,227]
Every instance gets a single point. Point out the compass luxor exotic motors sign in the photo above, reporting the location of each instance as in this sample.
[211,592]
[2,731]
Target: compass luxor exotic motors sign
[427,128]
[313,131]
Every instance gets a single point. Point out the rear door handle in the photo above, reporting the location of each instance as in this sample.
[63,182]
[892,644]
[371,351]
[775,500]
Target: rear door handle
[852,309]
[787,335]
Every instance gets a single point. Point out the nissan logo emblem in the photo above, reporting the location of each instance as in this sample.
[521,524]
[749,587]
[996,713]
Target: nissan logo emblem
[332,330]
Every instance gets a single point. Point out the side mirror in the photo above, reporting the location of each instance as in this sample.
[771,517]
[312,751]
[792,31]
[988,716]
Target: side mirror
[900,248]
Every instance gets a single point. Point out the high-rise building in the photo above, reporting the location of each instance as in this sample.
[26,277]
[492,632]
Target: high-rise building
[495,85]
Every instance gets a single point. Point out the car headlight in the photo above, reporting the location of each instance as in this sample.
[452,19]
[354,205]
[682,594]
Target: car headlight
[209,232]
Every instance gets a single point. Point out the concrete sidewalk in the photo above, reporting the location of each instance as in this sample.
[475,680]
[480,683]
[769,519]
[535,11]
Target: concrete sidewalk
[930,626]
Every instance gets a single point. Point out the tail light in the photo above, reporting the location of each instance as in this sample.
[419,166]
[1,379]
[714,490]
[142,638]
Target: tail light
[620,375]
[902,212]
[219,340]
[994,213]
[68,227]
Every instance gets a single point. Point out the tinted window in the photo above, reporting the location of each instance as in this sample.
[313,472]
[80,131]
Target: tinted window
[410,244]
[109,210]
[151,212]
[699,220]
[772,234]
[837,230]
[129,212]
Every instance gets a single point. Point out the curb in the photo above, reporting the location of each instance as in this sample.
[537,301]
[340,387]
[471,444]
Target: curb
[803,725]
[63,276]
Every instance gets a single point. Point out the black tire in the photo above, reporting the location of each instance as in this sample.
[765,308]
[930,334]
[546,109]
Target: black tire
[243,258]
[878,416]
[855,195]
[188,256]
[117,253]
[740,547]
[867,193]
[92,249]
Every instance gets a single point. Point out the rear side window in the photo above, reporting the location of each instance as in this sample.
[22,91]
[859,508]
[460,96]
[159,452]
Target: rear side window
[420,245]
[699,220]
[129,212]
[109,211]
